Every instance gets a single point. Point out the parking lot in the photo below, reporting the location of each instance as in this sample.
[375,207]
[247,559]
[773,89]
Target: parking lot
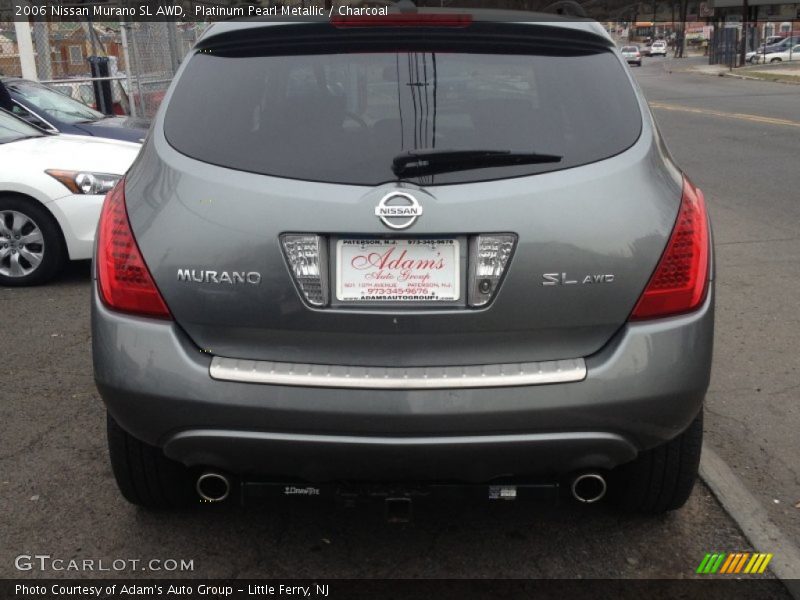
[737,139]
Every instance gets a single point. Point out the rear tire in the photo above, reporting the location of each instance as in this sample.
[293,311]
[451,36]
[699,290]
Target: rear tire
[33,261]
[145,476]
[660,479]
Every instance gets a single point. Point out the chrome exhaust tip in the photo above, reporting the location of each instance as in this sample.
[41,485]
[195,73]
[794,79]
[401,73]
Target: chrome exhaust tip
[589,488]
[213,487]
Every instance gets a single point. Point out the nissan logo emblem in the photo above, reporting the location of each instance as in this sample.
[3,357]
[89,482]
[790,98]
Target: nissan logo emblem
[398,210]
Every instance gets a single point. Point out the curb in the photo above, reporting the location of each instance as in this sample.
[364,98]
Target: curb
[752,519]
[739,76]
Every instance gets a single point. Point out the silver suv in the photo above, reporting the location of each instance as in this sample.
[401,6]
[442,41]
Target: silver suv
[406,251]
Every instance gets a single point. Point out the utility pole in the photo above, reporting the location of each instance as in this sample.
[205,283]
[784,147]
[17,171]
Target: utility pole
[27,57]
[174,50]
[123,29]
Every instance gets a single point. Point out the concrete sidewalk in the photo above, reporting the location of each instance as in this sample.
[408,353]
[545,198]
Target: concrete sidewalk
[780,73]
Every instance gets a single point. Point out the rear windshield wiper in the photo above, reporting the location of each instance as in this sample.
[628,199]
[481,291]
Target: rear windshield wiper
[431,162]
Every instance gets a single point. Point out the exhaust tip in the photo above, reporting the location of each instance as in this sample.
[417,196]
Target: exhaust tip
[213,487]
[589,488]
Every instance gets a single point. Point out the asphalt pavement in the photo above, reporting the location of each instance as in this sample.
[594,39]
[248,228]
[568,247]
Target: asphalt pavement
[739,140]
[59,498]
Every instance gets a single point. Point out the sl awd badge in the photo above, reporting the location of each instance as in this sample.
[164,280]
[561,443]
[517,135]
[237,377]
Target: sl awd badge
[551,279]
[398,210]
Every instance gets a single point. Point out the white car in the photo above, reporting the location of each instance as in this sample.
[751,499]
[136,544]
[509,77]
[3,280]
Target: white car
[51,190]
[632,55]
[658,48]
[786,55]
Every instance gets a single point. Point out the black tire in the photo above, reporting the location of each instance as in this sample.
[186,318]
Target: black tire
[775,60]
[660,479]
[52,250]
[144,475]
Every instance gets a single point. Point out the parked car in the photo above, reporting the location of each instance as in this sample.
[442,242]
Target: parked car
[768,42]
[54,111]
[51,191]
[633,55]
[782,46]
[659,48]
[355,278]
[786,55]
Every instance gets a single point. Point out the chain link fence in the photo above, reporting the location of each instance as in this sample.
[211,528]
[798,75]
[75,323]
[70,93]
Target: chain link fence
[155,52]
[142,58]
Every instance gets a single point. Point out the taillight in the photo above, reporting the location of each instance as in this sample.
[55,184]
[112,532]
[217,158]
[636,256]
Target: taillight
[123,279]
[680,281]
[308,260]
[489,256]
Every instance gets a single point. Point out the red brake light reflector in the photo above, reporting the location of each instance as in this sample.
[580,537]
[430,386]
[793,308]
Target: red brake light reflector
[680,281]
[124,281]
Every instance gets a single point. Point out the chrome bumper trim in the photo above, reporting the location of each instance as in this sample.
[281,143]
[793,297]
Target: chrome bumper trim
[397,378]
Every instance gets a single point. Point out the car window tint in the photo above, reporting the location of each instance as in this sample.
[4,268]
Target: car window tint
[343,117]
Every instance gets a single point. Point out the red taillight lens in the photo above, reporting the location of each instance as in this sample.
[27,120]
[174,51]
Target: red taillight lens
[124,281]
[680,281]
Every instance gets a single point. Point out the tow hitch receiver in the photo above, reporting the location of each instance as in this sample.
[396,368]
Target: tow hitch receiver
[398,500]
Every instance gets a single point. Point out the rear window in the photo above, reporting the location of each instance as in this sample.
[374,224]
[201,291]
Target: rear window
[630,49]
[342,118]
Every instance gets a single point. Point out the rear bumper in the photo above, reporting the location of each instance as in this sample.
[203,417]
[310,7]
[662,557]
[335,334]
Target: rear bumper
[434,458]
[644,388]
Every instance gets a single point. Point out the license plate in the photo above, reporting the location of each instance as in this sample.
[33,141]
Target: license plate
[397,270]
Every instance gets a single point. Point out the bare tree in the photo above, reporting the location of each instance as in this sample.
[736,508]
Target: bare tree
[680,42]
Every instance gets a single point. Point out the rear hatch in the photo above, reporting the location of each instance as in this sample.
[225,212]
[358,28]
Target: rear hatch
[464,193]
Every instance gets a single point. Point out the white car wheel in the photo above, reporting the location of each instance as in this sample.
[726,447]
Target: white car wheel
[31,248]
